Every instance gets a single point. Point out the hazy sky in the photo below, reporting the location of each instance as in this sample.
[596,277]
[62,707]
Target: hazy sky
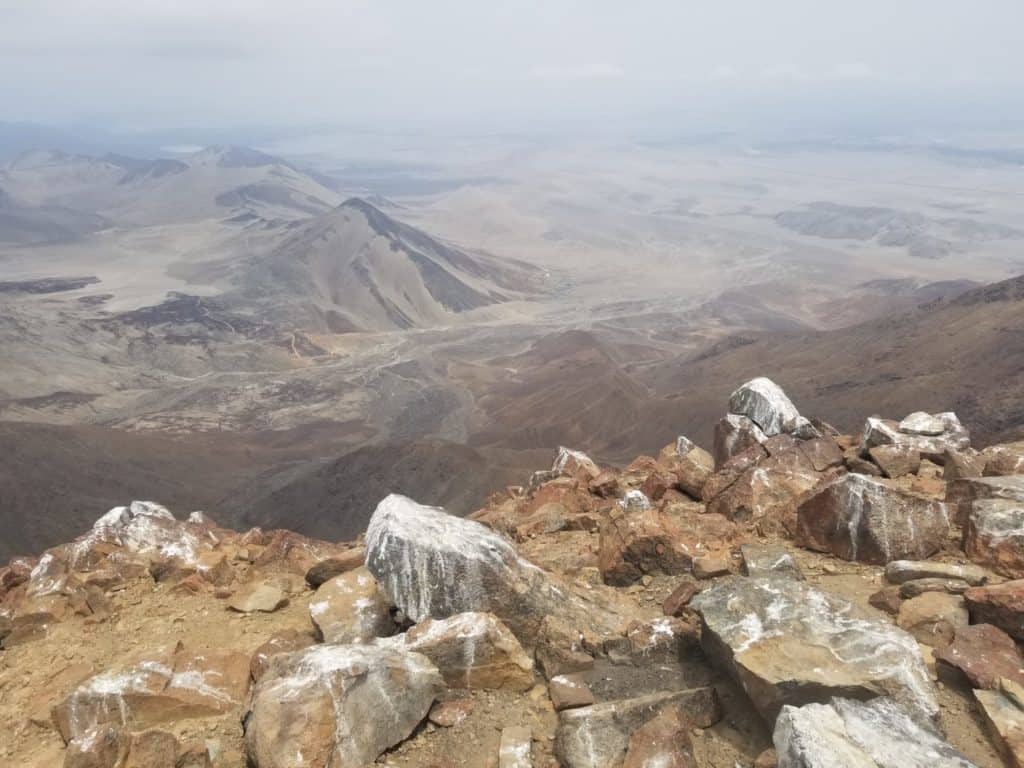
[467,62]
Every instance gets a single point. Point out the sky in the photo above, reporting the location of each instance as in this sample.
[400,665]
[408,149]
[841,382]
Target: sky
[569,64]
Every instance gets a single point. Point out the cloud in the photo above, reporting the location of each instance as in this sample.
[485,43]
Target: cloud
[575,72]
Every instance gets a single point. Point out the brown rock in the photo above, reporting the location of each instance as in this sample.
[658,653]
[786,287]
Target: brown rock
[858,465]
[961,464]
[761,560]
[1001,460]
[1005,721]
[896,460]
[676,603]
[712,564]
[662,640]
[350,608]
[961,494]
[514,748]
[735,434]
[657,484]
[569,691]
[917,587]
[450,712]
[767,759]
[662,741]
[690,464]
[856,518]
[887,599]
[258,596]
[994,536]
[560,648]
[606,484]
[933,618]
[153,749]
[328,568]
[285,641]
[104,746]
[980,654]
[900,571]
[1001,605]
[294,553]
[823,452]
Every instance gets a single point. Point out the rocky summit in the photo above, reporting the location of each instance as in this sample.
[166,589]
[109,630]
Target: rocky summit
[788,596]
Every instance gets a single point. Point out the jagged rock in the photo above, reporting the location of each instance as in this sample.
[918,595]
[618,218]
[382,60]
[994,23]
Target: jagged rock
[962,494]
[887,599]
[160,689]
[790,643]
[896,460]
[514,747]
[994,536]
[153,749]
[285,641]
[933,618]
[1005,720]
[337,705]
[711,565]
[598,736]
[856,518]
[471,650]
[561,648]
[663,741]
[933,447]
[675,604]
[961,464]
[858,465]
[763,402]
[259,596]
[917,587]
[450,712]
[769,560]
[327,569]
[104,746]
[735,435]
[576,465]
[606,484]
[999,604]
[350,608]
[433,565]
[662,640]
[569,691]
[690,464]
[981,654]
[665,540]
[900,571]
[1004,459]
[288,552]
[822,452]
[845,733]
[921,423]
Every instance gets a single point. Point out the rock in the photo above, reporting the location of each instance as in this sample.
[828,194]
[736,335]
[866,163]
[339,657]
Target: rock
[514,748]
[735,435]
[786,642]
[472,650]
[860,466]
[917,587]
[761,560]
[713,564]
[676,602]
[994,536]
[980,654]
[999,604]
[691,465]
[285,641]
[450,712]
[933,618]
[962,494]
[933,447]
[104,746]
[896,460]
[561,649]
[1005,721]
[763,402]
[337,705]
[663,741]
[157,690]
[576,465]
[663,640]
[635,501]
[598,736]
[350,608]
[434,565]
[822,452]
[1004,460]
[569,691]
[259,596]
[899,571]
[664,540]
[153,749]
[606,484]
[845,733]
[328,568]
[921,423]
[767,759]
[887,599]
[856,518]
[961,464]
[288,552]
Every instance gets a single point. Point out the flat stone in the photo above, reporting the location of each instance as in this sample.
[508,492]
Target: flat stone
[675,604]
[450,712]
[896,460]
[933,447]
[899,571]
[258,596]
[845,733]
[980,655]
[598,736]
[887,599]
[921,423]
[569,691]
[760,560]
[917,587]
[856,518]
[994,536]
[329,567]
[786,642]
[711,565]
[933,618]
[1005,721]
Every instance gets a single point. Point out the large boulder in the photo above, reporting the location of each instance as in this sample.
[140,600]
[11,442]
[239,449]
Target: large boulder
[845,733]
[909,434]
[786,642]
[350,608]
[667,539]
[994,536]
[1004,716]
[763,402]
[471,650]
[981,655]
[963,493]
[690,464]
[337,705]
[163,688]
[1001,605]
[432,565]
[735,435]
[933,618]
[575,464]
[857,518]
[1005,459]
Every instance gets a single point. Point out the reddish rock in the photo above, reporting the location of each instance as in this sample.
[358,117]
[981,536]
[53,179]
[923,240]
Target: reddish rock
[961,464]
[690,464]
[450,712]
[657,483]
[822,452]
[606,484]
[980,654]
[662,640]
[994,536]
[153,749]
[561,649]
[293,553]
[856,518]
[1001,605]
[713,564]
[575,464]
[285,641]
[569,691]
[662,741]
[104,746]
[933,618]
[327,569]
[887,599]
[1004,459]
[734,435]
[676,602]
[961,494]
[896,460]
